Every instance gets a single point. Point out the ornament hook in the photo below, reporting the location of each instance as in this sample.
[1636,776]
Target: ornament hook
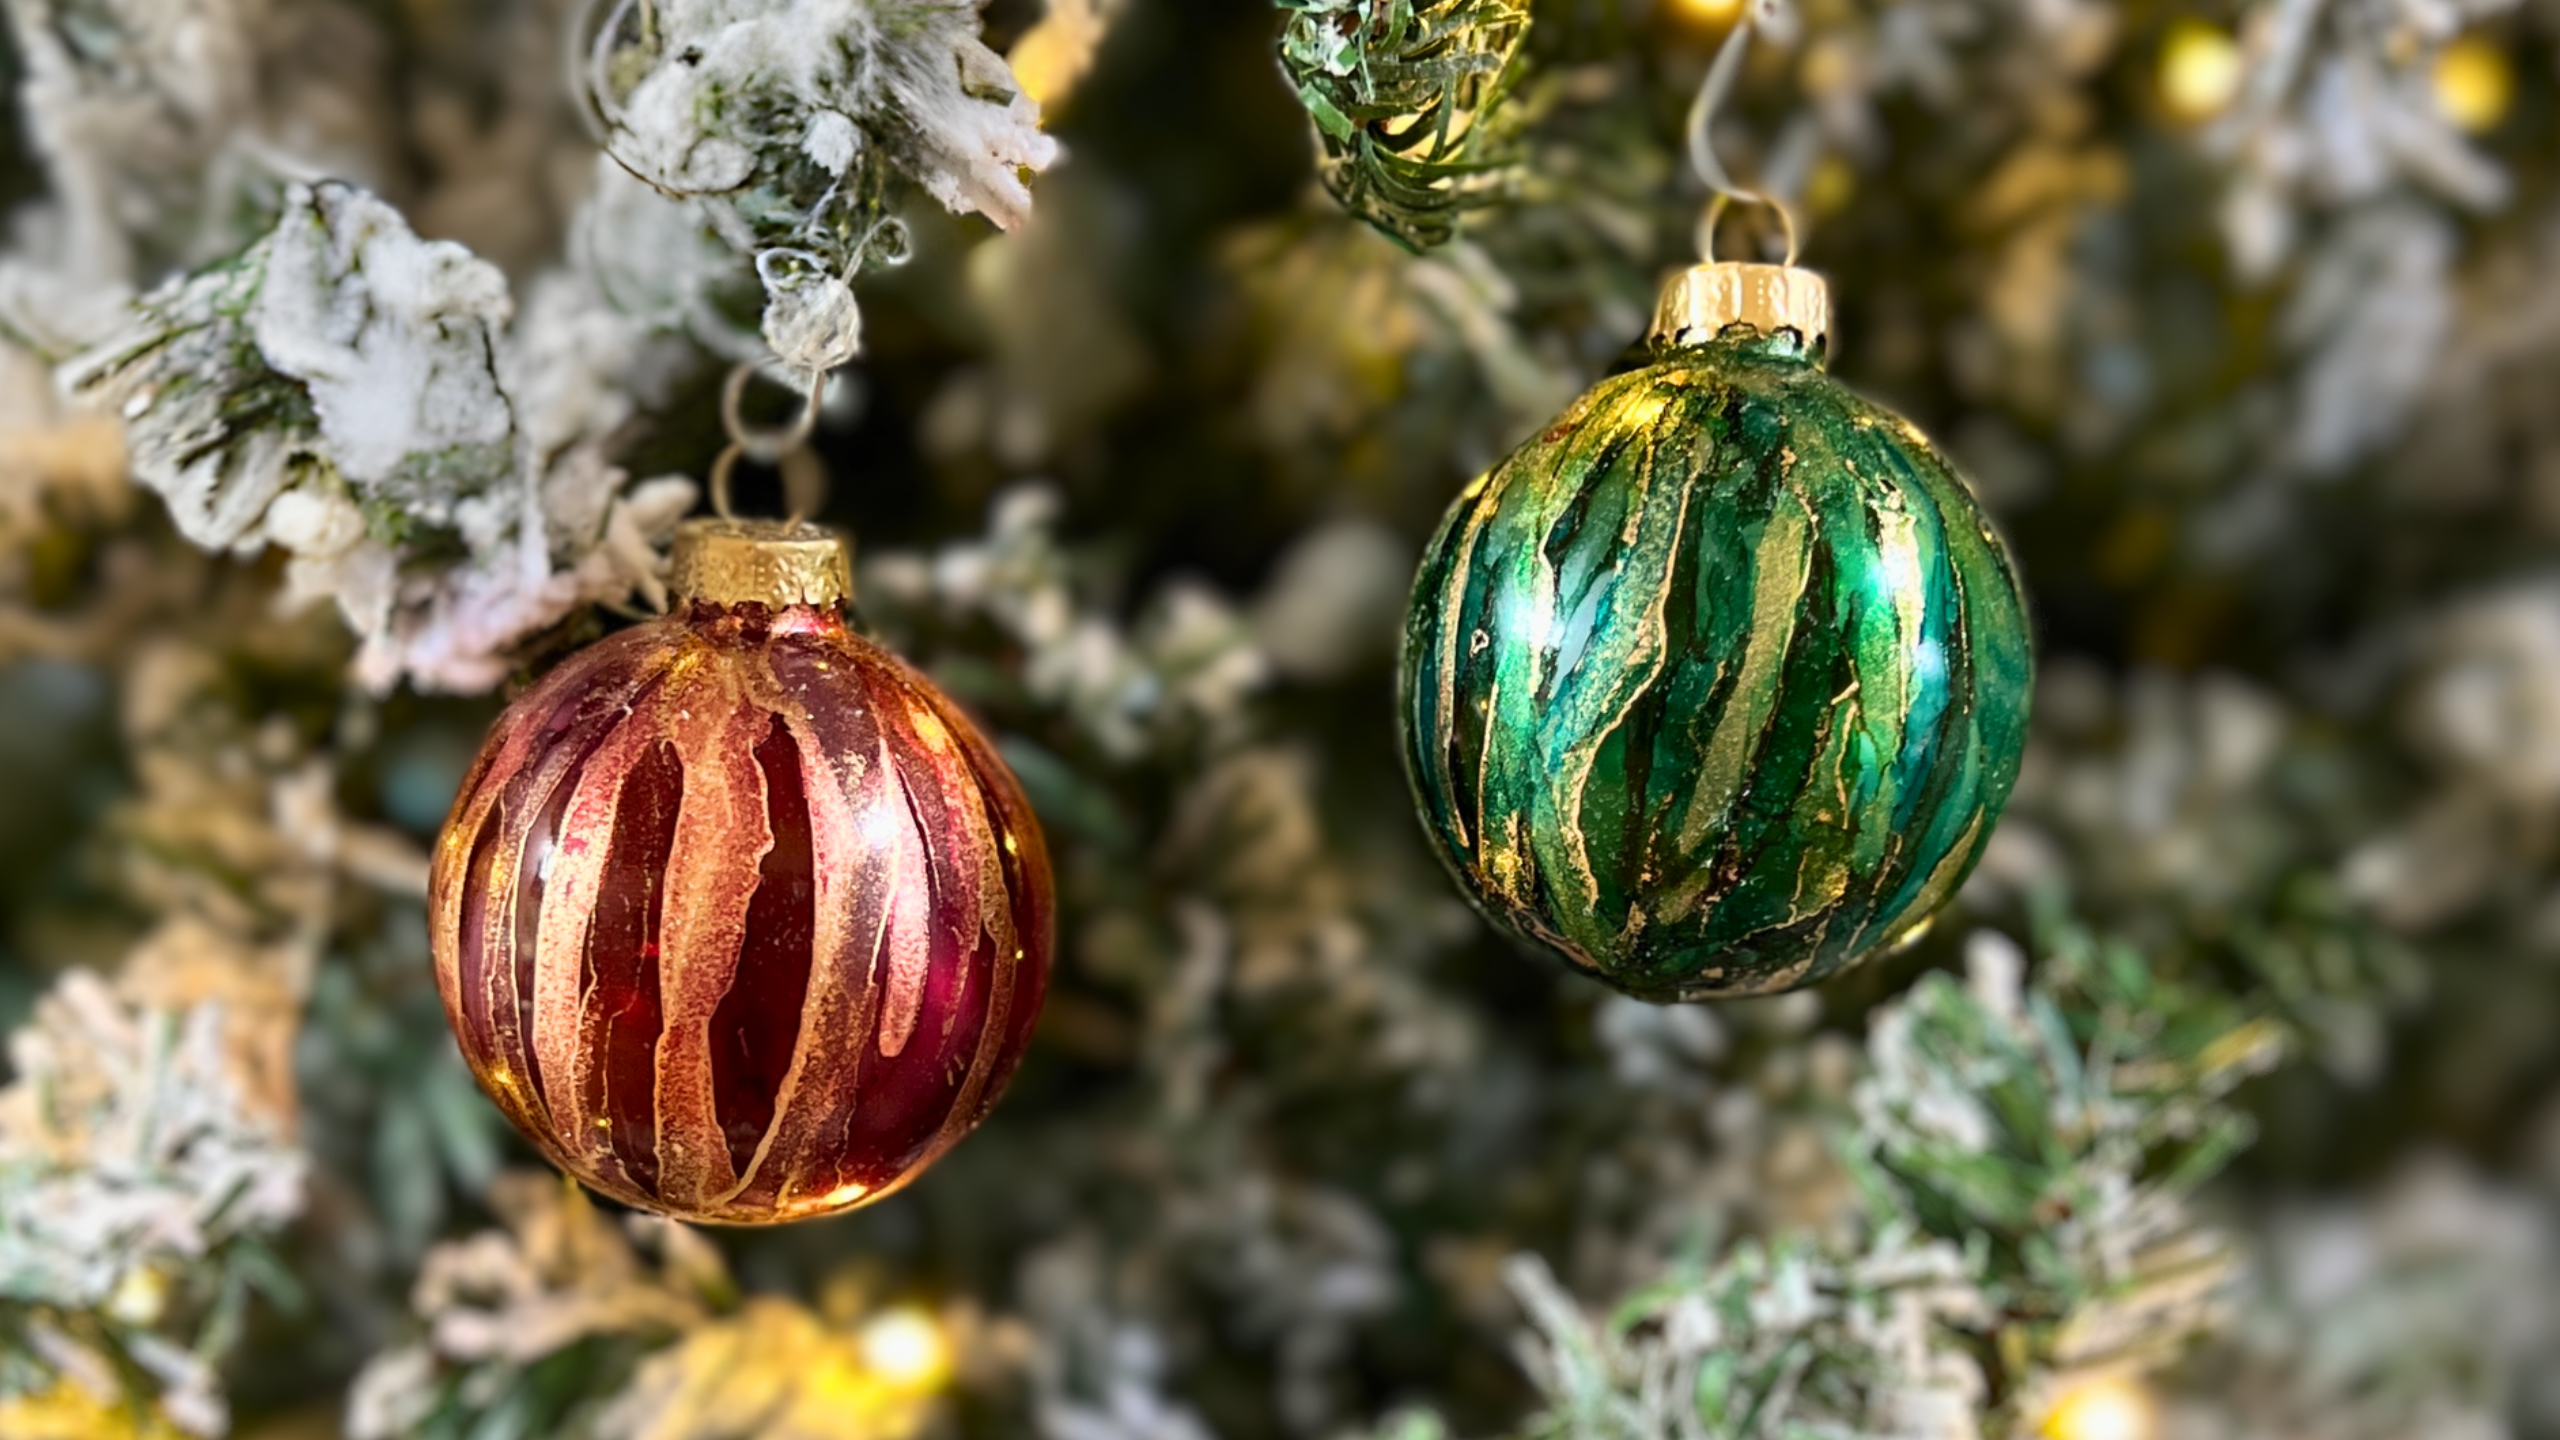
[1715,212]
[785,447]
[1702,146]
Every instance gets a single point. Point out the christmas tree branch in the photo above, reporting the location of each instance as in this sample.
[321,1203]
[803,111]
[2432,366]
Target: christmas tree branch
[376,406]
[1407,99]
[2022,1157]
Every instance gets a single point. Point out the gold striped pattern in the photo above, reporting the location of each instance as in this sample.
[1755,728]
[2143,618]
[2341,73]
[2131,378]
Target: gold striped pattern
[1719,684]
[739,920]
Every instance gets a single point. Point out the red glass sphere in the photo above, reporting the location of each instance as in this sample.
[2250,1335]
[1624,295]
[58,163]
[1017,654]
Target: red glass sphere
[738,919]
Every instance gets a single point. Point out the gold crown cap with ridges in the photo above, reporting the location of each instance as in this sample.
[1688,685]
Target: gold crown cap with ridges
[759,562]
[1702,300]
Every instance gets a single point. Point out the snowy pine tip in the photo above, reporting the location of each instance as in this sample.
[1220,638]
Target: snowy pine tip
[760,562]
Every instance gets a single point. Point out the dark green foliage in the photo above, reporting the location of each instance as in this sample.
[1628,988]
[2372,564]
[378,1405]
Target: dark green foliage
[1407,98]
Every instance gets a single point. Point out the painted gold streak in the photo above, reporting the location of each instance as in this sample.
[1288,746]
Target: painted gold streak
[499,850]
[1822,875]
[1001,977]
[1532,584]
[959,846]
[723,832]
[1942,879]
[1900,561]
[449,882]
[1504,871]
[1444,697]
[1570,778]
[855,878]
[569,895]
[766,692]
[995,897]
[1498,836]
[1647,569]
[909,953]
[508,1022]
[1781,568]
[496,980]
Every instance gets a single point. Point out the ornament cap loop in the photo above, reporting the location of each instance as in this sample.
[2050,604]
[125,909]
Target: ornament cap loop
[760,562]
[1704,299]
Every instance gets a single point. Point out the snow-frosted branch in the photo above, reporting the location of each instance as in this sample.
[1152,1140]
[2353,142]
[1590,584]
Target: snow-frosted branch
[784,120]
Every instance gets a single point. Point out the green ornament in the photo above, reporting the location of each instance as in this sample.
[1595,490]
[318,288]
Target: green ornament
[1717,686]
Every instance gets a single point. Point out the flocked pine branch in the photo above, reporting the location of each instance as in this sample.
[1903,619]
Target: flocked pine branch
[375,405]
[149,1142]
[530,1330]
[350,394]
[2024,1157]
[786,120]
[569,1326]
[1407,99]
[2223,854]
[138,1185]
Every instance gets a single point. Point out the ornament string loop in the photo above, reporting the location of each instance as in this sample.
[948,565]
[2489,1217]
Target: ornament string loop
[1719,83]
[785,447]
[766,445]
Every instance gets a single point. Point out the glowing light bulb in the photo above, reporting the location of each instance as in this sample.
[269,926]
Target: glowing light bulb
[1714,12]
[2109,1407]
[2474,84]
[2200,70]
[905,1349]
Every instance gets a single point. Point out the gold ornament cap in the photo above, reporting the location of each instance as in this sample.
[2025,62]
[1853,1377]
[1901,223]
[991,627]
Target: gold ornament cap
[1701,301]
[760,562]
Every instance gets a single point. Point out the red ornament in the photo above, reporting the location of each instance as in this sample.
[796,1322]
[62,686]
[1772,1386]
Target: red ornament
[736,916]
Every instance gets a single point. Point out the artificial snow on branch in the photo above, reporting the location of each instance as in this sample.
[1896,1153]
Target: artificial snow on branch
[2023,1156]
[339,358]
[130,102]
[784,119]
[135,1180]
[337,391]
[371,403]
[508,1315]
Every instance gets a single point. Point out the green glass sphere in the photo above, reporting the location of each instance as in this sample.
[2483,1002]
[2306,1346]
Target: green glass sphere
[1717,686]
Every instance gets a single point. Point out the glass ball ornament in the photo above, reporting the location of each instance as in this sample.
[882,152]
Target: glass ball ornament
[736,916]
[1718,685]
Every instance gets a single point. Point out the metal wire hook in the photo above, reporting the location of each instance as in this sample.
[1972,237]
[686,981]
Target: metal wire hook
[770,445]
[804,475]
[1715,212]
[804,482]
[1702,146]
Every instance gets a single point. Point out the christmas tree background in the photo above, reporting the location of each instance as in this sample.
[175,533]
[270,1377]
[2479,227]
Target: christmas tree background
[345,386]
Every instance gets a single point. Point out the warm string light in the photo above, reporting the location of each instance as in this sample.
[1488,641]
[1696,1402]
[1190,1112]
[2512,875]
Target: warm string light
[2474,84]
[1714,12]
[879,1380]
[2200,70]
[905,1350]
[66,1411]
[2111,1407]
